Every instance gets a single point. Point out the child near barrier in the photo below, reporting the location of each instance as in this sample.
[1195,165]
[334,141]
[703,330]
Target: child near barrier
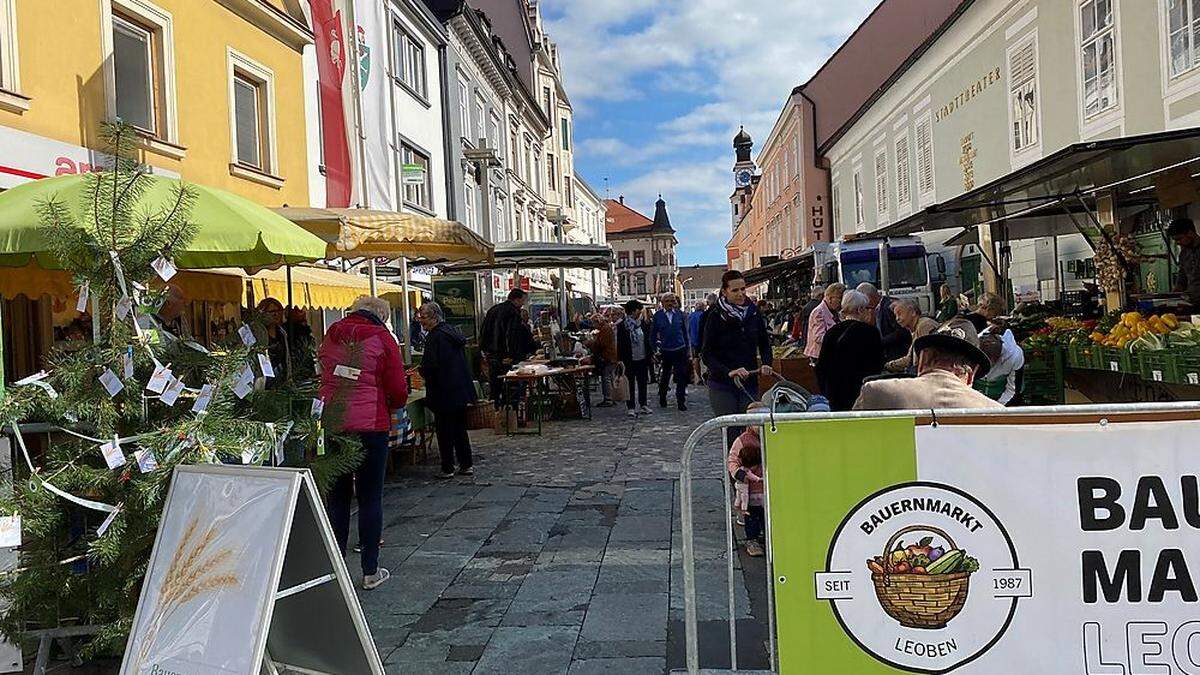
[745,467]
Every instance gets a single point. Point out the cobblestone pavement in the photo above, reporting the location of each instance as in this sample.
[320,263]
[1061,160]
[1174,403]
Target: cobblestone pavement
[562,555]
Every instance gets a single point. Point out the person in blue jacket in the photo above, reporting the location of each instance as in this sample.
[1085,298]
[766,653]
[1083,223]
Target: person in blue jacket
[669,335]
[695,321]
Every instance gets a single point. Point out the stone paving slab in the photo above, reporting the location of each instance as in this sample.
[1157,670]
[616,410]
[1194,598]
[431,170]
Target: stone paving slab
[562,555]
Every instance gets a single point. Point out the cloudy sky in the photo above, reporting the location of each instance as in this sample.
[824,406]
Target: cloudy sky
[659,88]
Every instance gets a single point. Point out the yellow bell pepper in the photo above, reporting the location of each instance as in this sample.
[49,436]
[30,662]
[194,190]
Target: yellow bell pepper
[1171,321]
[1120,329]
[1131,319]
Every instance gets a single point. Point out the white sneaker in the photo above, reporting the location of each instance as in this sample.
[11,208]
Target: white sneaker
[373,581]
[645,410]
[632,412]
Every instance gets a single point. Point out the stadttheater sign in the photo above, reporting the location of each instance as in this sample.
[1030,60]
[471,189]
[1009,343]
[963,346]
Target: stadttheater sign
[967,94]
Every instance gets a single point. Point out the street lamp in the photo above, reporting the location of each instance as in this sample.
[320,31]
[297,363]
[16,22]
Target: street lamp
[683,289]
[480,159]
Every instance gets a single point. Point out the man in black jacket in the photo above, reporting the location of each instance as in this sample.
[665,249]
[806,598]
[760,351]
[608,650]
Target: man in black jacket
[449,388]
[501,340]
[896,338]
[735,342]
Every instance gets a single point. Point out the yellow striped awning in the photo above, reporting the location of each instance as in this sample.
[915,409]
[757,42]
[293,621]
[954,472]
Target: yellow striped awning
[312,287]
[368,233]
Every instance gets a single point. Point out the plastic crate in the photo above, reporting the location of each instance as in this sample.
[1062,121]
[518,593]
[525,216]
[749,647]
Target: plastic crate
[1158,366]
[1187,367]
[1042,387]
[1117,360]
[1052,360]
[1085,356]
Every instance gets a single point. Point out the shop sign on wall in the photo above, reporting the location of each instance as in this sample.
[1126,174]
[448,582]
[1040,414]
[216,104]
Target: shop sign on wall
[967,94]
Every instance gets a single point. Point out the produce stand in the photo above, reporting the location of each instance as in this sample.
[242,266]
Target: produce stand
[540,395]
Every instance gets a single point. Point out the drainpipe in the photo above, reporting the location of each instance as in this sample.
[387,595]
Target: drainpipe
[447,136]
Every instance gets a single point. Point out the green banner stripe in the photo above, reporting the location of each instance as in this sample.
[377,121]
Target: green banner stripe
[817,473]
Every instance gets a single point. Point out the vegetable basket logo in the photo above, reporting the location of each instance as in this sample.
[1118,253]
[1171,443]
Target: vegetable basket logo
[922,603]
[922,586]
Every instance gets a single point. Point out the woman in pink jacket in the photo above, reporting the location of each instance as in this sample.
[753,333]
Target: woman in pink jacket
[362,382]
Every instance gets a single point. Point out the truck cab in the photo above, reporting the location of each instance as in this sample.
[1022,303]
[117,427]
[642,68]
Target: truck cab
[907,274]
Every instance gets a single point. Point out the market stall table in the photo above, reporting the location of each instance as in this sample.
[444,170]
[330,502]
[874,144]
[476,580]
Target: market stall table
[518,386]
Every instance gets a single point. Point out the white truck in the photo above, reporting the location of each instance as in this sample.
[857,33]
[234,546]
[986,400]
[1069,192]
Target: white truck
[905,274]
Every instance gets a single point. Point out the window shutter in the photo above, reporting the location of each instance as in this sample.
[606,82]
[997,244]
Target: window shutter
[1023,65]
[903,179]
[924,157]
[881,180]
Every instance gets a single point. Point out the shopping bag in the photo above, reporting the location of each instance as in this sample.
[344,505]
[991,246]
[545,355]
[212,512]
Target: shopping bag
[620,385]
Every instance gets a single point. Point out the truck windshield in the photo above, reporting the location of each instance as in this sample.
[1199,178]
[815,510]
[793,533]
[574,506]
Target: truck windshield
[906,267]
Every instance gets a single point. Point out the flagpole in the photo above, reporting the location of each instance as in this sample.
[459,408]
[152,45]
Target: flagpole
[360,134]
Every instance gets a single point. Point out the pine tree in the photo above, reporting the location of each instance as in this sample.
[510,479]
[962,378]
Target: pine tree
[69,573]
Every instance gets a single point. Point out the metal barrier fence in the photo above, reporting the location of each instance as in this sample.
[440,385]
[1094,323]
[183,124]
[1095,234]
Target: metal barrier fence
[769,421]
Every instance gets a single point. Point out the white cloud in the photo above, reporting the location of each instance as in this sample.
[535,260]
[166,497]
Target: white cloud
[738,58]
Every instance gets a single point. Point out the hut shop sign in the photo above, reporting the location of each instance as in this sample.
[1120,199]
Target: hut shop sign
[967,94]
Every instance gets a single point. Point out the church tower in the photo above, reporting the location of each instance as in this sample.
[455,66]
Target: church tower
[744,176]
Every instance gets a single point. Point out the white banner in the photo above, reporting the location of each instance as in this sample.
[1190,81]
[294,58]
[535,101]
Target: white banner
[373,75]
[1106,518]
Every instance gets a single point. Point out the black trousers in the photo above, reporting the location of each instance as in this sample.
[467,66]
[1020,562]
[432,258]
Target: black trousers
[674,364]
[453,441]
[638,373]
[496,371]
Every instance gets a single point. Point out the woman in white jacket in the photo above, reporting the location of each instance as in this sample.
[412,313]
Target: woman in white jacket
[1002,380]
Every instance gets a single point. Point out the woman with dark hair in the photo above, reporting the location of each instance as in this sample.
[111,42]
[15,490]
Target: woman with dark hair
[736,349]
[634,350]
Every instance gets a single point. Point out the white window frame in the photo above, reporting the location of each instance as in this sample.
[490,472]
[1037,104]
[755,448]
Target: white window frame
[251,69]
[163,24]
[1032,151]
[495,135]
[404,44]
[925,194]
[469,205]
[481,119]
[835,202]
[860,210]
[464,106]
[882,198]
[1113,116]
[1186,82]
[903,164]
[415,149]
[10,62]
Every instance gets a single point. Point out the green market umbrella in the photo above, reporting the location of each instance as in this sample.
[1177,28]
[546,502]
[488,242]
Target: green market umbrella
[232,231]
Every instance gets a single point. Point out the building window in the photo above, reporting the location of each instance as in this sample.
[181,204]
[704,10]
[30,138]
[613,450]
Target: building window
[859,211]
[1022,72]
[464,107]
[1183,31]
[252,113]
[641,283]
[494,135]
[881,183]
[500,217]
[410,60]
[623,259]
[837,203]
[547,102]
[1098,45]
[639,258]
[551,172]
[139,84]
[480,121]
[569,188]
[516,151]
[528,162]
[249,128]
[418,185]
[469,205]
[564,127]
[536,183]
[10,74]
[925,184]
[903,178]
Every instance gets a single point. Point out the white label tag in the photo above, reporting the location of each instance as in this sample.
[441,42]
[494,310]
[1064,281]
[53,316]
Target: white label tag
[172,392]
[1157,375]
[38,379]
[145,460]
[112,383]
[247,456]
[347,372]
[203,399]
[124,305]
[1193,378]
[164,267]
[85,292]
[318,406]
[1114,366]
[243,387]
[264,364]
[10,531]
[107,522]
[247,335]
[159,379]
[112,453]
[127,363]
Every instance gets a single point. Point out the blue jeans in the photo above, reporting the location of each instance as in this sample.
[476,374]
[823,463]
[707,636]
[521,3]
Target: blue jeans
[365,483]
[755,523]
[729,400]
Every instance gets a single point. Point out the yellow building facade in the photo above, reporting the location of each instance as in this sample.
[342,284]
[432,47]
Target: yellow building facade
[216,86]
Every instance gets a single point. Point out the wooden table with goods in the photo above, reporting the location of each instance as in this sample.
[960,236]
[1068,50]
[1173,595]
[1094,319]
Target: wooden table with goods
[534,399]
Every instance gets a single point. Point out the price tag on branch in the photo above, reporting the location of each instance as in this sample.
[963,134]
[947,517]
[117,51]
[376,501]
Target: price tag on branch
[113,454]
[264,364]
[145,460]
[164,268]
[247,456]
[159,379]
[85,292]
[247,335]
[124,306]
[203,399]
[172,392]
[112,383]
[10,531]
[127,363]
[243,387]
[318,406]
[107,522]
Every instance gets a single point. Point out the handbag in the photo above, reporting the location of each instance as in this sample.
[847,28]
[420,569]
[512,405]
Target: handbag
[620,385]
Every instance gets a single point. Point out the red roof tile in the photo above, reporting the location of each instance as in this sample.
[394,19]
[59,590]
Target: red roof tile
[621,218]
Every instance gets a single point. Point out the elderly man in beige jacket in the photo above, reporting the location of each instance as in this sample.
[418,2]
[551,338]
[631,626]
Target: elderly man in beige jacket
[948,361]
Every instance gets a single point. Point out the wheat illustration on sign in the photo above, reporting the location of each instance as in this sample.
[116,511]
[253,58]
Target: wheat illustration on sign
[196,570]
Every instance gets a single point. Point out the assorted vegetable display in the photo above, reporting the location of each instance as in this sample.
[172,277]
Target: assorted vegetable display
[923,558]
